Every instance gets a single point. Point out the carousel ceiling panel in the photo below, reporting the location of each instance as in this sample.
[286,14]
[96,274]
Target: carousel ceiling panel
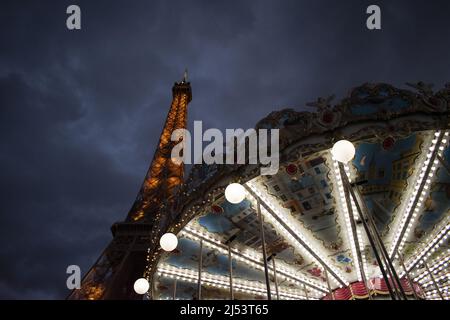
[306,189]
[241,222]
[293,230]
[303,187]
[385,167]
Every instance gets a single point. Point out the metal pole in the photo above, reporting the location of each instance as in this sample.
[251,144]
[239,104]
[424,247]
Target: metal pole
[390,275]
[175,289]
[357,244]
[411,283]
[369,235]
[306,292]
[389,265]
[393,273]
[384,255]
[434,281]
[263,240]
[275,277]
[328,283]
[199,287]
[230,267]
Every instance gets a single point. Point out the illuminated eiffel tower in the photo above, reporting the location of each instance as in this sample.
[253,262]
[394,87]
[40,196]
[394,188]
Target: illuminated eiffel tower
[124,259]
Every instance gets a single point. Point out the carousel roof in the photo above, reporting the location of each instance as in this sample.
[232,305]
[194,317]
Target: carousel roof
[400,169]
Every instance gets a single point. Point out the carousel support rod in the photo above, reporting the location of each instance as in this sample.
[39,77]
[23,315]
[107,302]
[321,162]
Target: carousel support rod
[388,262]
[391,277]
[263,241]
[306,292]
[397,286]
[356,240]
[272,257]
[391,269]
[384,252]
[175,289]
[434,280]
[411,283]
[230,265]
[200,262]
[444,163]
[328,283]
[367,230]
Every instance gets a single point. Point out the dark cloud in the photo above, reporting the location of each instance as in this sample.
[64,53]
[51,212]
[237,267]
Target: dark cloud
[81,111]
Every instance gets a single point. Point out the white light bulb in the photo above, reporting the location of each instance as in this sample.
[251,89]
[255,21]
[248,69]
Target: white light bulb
[343,151]
[141,286]
[235,193]
[168,242]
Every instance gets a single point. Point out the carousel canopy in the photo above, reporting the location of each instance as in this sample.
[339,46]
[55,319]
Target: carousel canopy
[316,245]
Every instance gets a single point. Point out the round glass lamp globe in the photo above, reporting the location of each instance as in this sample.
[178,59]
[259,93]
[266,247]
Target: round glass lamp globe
[235,193]
[168,242]
[343,151]
[141,286]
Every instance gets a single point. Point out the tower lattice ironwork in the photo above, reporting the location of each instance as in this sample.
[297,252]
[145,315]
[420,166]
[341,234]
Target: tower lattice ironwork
[124,259]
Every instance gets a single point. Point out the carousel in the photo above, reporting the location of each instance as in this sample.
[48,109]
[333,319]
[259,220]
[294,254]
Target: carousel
[359,208]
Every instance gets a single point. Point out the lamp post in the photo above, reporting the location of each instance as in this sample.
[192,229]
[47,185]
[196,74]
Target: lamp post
[230,265]
[199,283]
[263,241]
[235,193]
[272,257]
[168,242]
[175,289]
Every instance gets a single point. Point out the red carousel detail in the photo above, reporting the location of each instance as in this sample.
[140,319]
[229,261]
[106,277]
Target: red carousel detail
[377,286]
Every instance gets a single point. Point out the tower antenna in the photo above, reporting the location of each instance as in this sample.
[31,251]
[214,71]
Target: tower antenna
[185,76]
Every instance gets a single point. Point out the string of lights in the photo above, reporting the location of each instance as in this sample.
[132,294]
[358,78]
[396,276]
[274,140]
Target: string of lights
[352,237]
[253,259]
[422,182]
[222,282]
[437,265]
[430,245]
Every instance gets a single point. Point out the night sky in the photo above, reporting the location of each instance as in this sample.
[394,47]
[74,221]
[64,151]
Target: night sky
[81,111]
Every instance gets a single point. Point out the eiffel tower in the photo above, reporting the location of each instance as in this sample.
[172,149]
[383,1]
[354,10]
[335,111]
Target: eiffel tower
[124,259]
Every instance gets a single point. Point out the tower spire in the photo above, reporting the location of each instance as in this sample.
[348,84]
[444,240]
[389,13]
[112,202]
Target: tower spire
[185,76]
